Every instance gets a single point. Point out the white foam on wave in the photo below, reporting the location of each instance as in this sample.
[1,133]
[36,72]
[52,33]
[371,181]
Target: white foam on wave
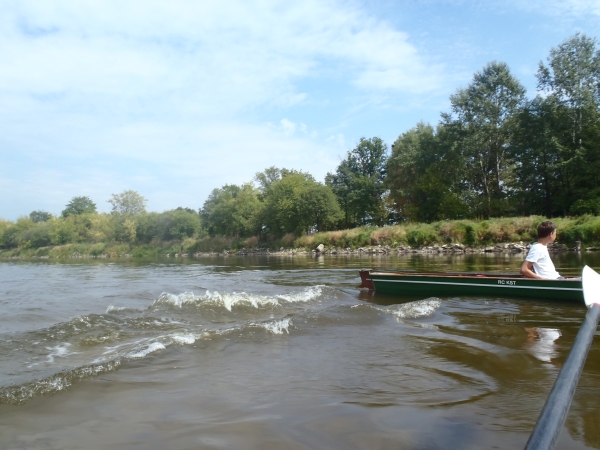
[229,300]
[141,353]
[419,308]
[160,343]
[183,339]
[19,394]
[307,295]
[276,326]
[58,351]
[410,310]
[113,309]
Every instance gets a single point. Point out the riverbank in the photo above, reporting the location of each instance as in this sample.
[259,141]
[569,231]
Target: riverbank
[457,249]
[504,235]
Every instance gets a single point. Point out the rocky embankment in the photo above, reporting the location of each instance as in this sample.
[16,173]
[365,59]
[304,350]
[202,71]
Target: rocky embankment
[321,250]
[511,248]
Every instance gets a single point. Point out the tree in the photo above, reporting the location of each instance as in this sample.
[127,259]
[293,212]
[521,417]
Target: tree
[71,229]
[267,177]
[483,115]
[422,175]
[573,78]
[536,155]
[40,216]
[298,204]
[78,206]
[181,223]
[232,211]
[358,183]
[188,210]
[571,81]
[128,230]
[128,202]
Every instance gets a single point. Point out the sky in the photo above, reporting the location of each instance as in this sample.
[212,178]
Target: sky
[175,98]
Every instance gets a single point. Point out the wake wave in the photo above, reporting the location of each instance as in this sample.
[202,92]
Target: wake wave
[17,395]
[413,310]
[230,300]
[410,310]
[275,326]
[50,360]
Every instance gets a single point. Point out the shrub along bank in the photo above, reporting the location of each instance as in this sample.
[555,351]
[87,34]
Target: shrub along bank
[585,229]
[473,233]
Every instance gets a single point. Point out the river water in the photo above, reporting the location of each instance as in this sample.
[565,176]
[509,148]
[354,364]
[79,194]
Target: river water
[279,352]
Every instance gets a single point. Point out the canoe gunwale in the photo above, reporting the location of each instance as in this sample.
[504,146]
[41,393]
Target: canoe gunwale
[468,276]
[435,284]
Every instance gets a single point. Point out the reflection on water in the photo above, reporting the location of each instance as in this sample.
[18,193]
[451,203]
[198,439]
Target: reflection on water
[270,352]
[540,342]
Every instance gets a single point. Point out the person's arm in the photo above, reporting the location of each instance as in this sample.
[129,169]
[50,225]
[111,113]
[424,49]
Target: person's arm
[527,271]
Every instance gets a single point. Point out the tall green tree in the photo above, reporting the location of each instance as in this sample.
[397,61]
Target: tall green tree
[298,204]
[536,155]
[233,211]
[407,166]
[358,183]
[571,80]
[483,115]
[40,216]
[128,202]
[422,175]
[267,177]
[572,77]
[78,206]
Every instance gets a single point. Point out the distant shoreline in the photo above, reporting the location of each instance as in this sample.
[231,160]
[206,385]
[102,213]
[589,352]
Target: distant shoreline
[449,250]
[501,235]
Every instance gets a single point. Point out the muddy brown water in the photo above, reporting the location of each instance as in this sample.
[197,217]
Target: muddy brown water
[279,352]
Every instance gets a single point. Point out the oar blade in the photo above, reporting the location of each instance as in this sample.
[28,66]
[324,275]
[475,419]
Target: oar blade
[590,279]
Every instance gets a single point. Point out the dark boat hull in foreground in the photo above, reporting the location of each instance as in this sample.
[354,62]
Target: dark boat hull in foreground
[470,284]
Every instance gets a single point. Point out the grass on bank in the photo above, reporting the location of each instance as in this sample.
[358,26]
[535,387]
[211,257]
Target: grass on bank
[468,232]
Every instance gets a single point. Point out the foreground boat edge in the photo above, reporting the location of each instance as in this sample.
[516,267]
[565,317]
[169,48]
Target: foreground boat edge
[470,284]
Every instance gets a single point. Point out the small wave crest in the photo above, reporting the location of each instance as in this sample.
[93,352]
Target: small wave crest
[17,395]
[146,350]
[117,309]
[229,300]
[183,339]
[58,351]
[410,310]
[111,360]
[275,326]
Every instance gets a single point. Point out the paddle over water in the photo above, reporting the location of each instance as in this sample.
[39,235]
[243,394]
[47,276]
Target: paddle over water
[242,353]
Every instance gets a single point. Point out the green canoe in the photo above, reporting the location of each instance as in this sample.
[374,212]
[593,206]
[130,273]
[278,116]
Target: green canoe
[479,284]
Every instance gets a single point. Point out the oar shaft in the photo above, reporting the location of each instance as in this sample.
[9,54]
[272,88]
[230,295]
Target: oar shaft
[553,415]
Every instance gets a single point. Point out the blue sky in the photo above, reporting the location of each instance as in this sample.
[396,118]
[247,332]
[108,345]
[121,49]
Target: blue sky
[175,98]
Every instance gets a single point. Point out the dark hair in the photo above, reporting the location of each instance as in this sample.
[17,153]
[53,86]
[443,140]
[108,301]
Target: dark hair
[545,229]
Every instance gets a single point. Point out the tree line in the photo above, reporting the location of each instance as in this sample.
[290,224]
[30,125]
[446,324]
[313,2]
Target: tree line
[80,222]
[495,153]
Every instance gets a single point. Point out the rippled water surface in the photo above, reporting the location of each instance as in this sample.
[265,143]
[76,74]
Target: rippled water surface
[244,353]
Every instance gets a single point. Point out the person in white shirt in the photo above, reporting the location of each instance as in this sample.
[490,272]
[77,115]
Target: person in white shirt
[538,264]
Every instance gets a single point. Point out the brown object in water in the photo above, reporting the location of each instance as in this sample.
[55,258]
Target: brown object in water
[365,277]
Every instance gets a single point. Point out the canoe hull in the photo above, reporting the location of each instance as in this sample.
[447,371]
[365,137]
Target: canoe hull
[443,285]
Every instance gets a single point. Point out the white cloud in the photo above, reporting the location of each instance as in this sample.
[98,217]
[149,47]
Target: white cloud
[144,91]
[287,126]
[242,53]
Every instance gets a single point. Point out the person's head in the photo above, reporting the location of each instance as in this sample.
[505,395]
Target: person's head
[545,229]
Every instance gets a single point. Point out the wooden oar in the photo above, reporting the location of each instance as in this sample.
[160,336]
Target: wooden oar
[553,415]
